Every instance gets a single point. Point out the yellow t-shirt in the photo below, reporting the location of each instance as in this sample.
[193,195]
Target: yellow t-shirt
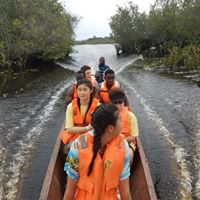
[69,123]
[132,120]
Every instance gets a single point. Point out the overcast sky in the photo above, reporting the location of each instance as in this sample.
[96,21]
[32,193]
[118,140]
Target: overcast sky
[96,13]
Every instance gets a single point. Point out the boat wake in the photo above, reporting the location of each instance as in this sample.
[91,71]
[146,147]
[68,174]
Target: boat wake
[69,67]
[25,146]
[180,154]
[128,64]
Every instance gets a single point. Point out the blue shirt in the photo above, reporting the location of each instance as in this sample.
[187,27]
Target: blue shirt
[72,163]
[102,69]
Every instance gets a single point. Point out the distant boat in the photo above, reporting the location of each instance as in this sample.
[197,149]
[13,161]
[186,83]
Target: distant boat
[141,184]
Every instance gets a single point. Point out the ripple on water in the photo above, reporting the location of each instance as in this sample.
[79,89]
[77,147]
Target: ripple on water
[180,154]
[25,146]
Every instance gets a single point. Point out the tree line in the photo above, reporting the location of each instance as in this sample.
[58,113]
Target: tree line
[172,27]
[34,29]
[95,40]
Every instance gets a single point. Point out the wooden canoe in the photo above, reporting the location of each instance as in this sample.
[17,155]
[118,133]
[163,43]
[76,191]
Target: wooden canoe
[141,184]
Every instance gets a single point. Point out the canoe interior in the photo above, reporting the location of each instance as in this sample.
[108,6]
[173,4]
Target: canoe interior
[141,184]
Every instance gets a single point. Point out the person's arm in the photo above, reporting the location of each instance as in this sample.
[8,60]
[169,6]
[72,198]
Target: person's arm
[96,93]
[124,190]
[130,139]
[133,124]
[69,124]
[126,102]
[70,190]
[69,95]
[77,129]
[97,86]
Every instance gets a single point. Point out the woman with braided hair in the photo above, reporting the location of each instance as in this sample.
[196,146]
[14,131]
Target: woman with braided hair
[98,163]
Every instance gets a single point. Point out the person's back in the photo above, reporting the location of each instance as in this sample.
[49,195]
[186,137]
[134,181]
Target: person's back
[94,171]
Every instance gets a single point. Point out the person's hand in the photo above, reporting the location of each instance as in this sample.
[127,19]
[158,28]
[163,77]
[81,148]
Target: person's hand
[90,127]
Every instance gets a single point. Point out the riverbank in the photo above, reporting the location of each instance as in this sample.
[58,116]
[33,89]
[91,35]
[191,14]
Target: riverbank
[13,83]
[156,65]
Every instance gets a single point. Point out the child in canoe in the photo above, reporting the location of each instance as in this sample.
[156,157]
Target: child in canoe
[98,163]
[78,114]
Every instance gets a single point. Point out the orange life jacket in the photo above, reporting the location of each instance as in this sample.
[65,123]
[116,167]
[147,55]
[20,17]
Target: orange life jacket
[78,120]
[75,94]
[126,129]
[104,92]
[103,182]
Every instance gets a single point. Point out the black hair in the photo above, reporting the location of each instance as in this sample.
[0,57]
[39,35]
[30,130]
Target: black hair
[117,94]
[85,82]
[84,68]
[109,71]
[103,116]
[102,58]
[80,72]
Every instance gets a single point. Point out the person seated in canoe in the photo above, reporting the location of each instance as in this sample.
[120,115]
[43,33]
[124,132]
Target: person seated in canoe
[101,70]
[129,120]
[72,92]
[98,163]
[88,76]
[78,114]
[108,84]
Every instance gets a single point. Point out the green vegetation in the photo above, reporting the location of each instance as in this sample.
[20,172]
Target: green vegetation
[188,56]
[96,40]
[171,29]
[34,29]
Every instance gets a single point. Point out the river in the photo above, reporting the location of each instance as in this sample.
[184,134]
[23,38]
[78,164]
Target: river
[168,112]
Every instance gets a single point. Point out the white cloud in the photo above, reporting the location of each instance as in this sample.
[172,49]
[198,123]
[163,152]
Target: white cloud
[96,13]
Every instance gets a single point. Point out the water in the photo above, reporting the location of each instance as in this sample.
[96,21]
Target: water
[24,118]
[90,54]
[168,112]
[173,106]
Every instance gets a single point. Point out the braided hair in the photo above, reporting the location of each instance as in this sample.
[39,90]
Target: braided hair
[102,117]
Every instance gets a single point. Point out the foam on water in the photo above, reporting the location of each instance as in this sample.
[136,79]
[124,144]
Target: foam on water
[23,122]
[180,154]
[127,64]
[25,146]
[67,66]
